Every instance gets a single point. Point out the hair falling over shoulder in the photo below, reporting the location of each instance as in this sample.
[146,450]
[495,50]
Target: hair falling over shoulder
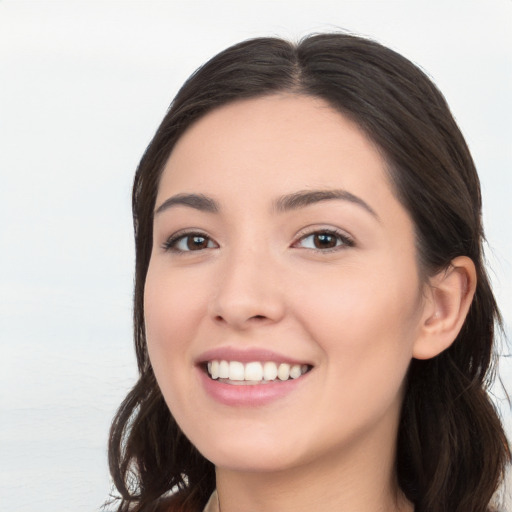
[452,450]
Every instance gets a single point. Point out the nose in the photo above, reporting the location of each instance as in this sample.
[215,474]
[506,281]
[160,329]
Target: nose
[249,291]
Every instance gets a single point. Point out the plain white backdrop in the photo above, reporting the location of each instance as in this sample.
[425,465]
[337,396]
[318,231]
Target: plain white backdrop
[83,86]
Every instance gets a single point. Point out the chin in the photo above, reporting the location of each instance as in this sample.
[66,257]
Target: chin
[249,454]
[256,462]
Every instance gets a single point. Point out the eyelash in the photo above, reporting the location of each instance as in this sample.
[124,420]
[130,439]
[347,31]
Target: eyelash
[345,241]
[171,243]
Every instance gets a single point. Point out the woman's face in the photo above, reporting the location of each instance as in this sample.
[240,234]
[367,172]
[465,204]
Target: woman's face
[279,247]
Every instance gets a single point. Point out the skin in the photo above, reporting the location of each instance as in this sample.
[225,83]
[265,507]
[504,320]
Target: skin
[357,312]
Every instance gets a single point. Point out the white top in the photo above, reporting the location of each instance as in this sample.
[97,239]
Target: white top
[213,503]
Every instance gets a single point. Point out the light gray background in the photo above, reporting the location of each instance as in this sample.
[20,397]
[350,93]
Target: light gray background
[83,86]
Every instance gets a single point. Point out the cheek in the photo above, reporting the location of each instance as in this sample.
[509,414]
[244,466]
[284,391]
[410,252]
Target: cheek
[171,309]
[366,326]
[171,304]
[360,300]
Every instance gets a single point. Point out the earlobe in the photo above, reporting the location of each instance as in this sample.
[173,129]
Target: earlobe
[449,296]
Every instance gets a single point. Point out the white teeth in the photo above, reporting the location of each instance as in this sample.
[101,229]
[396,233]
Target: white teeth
[295,371]
[236,371]
[270,370]
[255,371]
[223,370]
[213,369]
[283,372]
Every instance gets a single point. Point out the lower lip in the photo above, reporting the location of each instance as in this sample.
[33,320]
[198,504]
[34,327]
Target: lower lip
[251,395]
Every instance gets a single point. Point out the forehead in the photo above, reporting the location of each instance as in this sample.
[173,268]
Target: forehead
[274,145]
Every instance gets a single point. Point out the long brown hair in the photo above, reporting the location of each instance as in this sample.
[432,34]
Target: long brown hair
[452,450]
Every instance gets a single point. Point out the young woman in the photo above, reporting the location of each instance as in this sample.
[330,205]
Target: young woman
[313,321]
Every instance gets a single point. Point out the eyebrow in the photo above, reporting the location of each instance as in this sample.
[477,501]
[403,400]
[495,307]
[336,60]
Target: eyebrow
[305,198]
[283,204]
[197,201]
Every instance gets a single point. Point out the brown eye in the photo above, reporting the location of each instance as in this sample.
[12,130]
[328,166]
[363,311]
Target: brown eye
[196,242]
[189,242]
[325,241]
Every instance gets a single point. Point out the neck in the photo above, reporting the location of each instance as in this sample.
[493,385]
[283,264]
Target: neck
[341,481]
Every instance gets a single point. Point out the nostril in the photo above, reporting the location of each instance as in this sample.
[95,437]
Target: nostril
[255,318]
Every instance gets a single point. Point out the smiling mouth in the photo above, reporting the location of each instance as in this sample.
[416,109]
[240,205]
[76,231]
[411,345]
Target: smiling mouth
[255,372]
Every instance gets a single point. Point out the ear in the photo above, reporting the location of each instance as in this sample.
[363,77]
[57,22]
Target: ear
[448,297]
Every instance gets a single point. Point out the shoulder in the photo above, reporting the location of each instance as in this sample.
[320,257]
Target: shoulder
[176,503]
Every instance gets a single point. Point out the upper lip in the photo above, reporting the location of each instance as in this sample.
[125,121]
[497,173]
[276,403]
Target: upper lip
[246,356]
